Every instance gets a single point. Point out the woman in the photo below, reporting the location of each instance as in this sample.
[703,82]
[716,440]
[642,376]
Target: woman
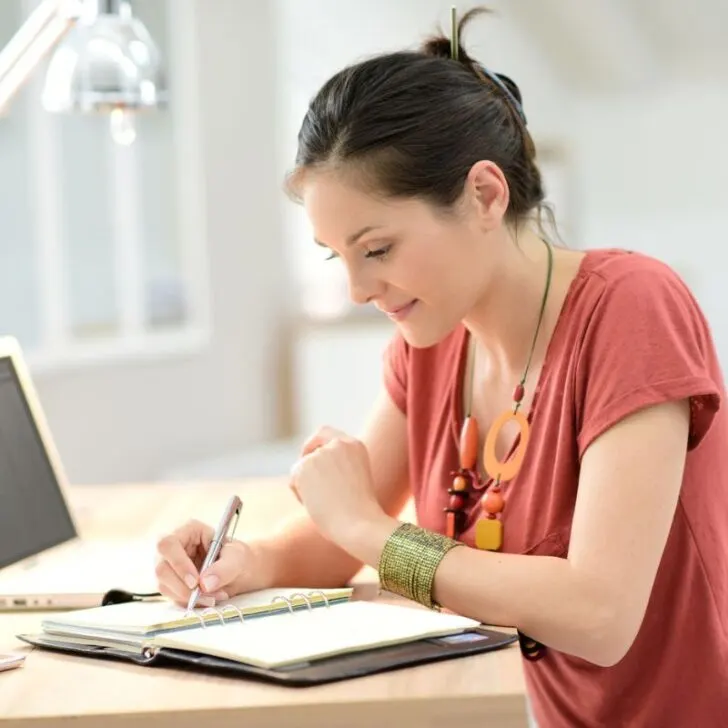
[555,413]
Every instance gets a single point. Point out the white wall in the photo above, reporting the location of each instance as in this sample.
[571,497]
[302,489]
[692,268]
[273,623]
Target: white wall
[129,421]
[653,176]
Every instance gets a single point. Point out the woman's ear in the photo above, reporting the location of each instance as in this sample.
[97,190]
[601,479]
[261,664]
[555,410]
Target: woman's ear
[487,190]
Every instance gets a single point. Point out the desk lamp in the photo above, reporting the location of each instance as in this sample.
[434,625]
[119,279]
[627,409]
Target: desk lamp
[105,61]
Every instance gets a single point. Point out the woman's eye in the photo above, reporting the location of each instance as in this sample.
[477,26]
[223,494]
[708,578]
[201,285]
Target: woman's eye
[379,253]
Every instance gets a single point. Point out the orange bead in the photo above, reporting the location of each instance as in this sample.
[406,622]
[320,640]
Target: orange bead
[460,483]
[493,502]
[469,443]
[450,525]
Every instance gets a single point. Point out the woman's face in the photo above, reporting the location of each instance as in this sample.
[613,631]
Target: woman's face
[423,269]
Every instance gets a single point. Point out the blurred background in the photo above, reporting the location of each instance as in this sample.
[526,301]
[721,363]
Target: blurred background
[177,319]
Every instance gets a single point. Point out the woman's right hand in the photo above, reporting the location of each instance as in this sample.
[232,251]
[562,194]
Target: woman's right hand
[321,437]
[238,569]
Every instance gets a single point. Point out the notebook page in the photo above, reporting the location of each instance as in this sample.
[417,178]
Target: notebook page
[291,638]
[145,618]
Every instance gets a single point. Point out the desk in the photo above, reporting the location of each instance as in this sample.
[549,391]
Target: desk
[60,691]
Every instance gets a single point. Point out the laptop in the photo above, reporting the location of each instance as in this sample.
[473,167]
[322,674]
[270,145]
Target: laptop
[45,562]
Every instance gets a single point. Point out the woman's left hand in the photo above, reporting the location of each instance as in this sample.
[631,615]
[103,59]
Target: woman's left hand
[333,480]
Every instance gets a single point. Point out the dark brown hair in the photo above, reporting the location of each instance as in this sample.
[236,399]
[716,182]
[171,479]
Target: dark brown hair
[412,124]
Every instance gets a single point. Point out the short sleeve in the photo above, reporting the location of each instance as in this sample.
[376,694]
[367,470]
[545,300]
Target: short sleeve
[396,359]
[646,343]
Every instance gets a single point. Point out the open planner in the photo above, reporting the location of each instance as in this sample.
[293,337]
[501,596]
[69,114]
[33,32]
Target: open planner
[294,637]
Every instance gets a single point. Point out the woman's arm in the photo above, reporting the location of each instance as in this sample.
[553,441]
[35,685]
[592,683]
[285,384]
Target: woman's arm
[298,554]
[592,603]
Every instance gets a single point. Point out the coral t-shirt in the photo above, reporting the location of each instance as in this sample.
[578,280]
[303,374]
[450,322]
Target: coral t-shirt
[629,335]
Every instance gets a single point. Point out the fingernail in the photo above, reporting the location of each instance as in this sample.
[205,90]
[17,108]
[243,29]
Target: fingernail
[206,601]
[191,581]
[221,596]
[210,583]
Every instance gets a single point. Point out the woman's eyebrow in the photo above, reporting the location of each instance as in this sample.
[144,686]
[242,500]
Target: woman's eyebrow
[354,237]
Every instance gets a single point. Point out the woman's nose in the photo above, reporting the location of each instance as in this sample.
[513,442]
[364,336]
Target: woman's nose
[363,289]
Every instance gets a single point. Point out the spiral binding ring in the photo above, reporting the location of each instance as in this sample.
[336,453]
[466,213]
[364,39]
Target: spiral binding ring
[305,598]
[192,613]
[281,598]
[220,613]
[323,596]
[235,609]
[201,615]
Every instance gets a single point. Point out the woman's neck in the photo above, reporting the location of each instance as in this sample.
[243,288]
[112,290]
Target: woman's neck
[503,322]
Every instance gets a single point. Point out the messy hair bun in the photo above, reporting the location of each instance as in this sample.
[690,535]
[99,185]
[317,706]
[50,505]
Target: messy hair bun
[412,124]
[440,46]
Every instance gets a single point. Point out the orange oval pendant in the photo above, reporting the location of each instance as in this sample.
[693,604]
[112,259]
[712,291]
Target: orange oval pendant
[507,469]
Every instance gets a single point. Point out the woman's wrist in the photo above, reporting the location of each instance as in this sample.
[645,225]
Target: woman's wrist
[409,561]
[364,539]
[260,568]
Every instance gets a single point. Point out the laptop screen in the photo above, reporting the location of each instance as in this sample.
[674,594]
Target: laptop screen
[33,512]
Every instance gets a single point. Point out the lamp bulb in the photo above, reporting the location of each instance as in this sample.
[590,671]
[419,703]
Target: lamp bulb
[121,125]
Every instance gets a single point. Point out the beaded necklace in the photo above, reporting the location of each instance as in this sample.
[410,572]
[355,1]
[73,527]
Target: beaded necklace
[467,480]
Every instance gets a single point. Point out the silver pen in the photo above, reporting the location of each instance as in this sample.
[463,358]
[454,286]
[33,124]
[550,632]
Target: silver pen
[232,510]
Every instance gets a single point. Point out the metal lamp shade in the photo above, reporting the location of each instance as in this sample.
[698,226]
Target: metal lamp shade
[106,62]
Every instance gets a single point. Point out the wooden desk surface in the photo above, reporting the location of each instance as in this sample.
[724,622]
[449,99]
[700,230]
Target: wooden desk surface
[63,690]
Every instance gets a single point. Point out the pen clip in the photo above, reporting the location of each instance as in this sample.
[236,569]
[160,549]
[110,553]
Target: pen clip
[231,534]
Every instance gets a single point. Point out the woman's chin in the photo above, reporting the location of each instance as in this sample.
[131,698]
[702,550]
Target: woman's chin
[422,337]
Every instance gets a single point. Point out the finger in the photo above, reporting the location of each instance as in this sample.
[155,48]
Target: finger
[332,445]
[295,468]
[228,567]
[196,538]
[323,436]
[194,535]
[294,488]
[170,586]
[173,551]
[210,600]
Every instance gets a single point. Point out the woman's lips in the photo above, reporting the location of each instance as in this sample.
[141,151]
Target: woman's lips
[399,314]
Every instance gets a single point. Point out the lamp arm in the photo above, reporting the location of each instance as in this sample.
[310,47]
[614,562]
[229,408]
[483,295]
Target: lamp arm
[35,38]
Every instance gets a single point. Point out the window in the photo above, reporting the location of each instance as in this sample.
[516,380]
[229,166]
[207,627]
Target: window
[96,260]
